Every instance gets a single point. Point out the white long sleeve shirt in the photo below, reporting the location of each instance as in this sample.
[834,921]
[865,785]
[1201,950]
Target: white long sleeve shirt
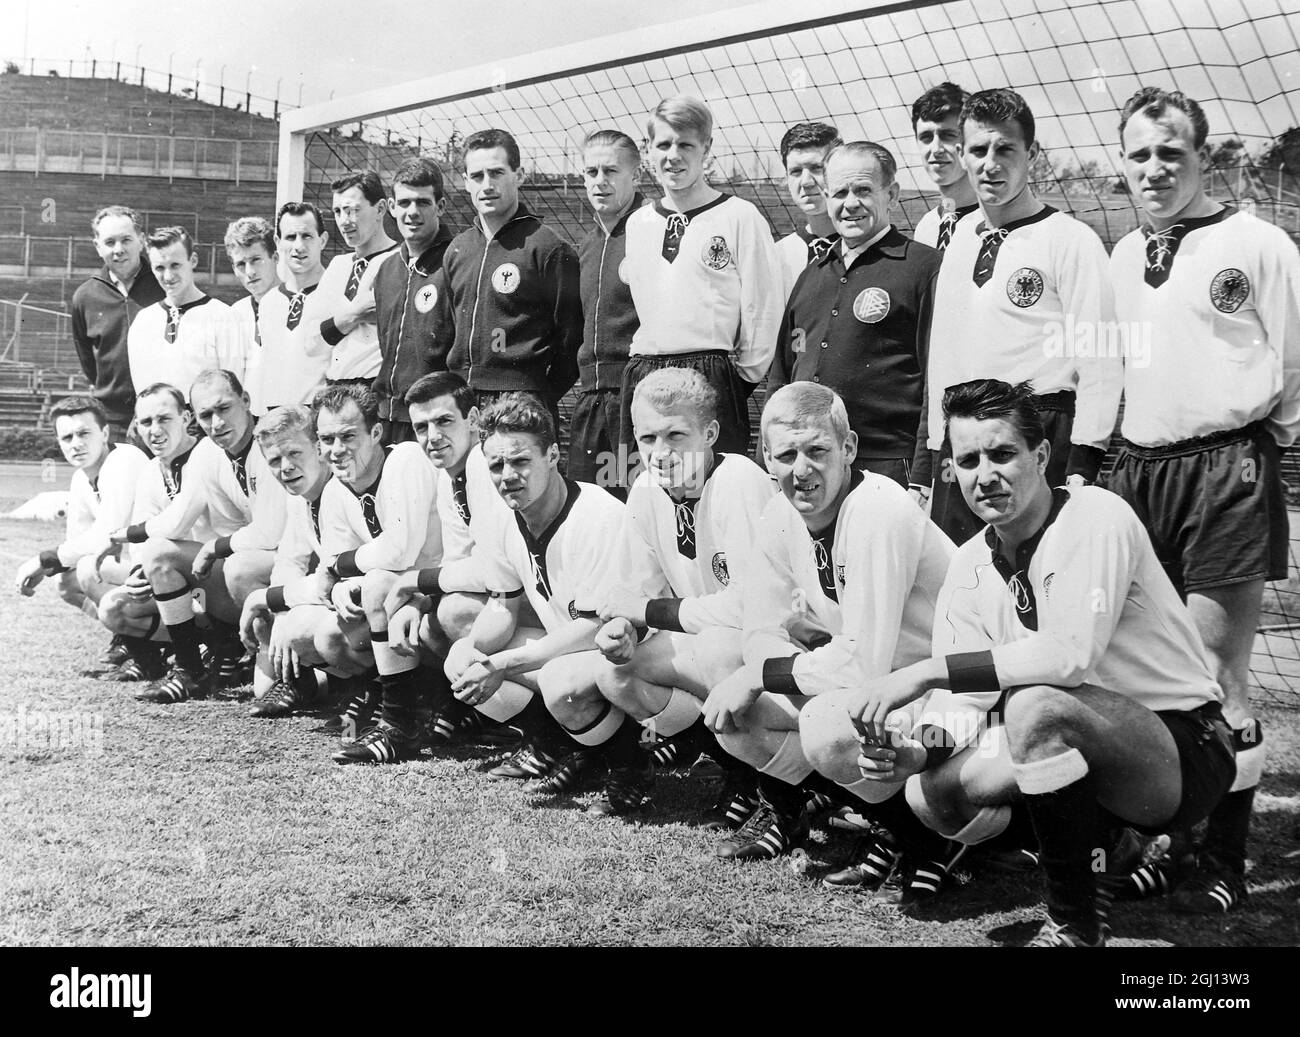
[293,580]
[566,571]
[356,354]
[159,484]
[690,557]
[469,509]
[390,525]
[724,289]
[1049,279]
[207,334]
[294,357]
[1215,330]
[97,508]
[1085,601]
[855,603]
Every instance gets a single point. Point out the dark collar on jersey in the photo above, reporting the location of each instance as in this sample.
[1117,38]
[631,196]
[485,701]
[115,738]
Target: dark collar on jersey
[961,212]
[824,545]
[429,259]
[1026,221]
[1015,572]
[291,295]
[373,488]
[690,214]
[176,465]
[811,240]
[1162,246]
[684,513]
[186,307]
[94,483]
[378,252]
[540,542]
[522,212]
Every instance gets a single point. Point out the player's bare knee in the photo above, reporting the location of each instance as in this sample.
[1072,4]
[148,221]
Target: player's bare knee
[936,797]
[459,656]
[159,556]
[112,611]
[375,586]
[1037,715]
[243,575]
[456,614]
[70,589]
[828,738]
[744,746]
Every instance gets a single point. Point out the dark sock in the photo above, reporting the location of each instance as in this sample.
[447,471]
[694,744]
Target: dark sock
[624,751]
[913,836]
[1225,837]
[786,799]
[398,695]
[220,633]
[187,644]
[837,794]
[1066,823]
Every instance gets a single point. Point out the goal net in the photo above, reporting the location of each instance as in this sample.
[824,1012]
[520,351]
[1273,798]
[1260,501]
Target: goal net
[859,65]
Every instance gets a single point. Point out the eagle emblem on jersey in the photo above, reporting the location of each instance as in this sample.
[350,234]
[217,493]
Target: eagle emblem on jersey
[425,298]
[720,571]
[505,278]
[622,271]
[573,610]
[1229,290]
[872,305]
[716,255]
[1025,287]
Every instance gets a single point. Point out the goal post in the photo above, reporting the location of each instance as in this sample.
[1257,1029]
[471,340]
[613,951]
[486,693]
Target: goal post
[858,65]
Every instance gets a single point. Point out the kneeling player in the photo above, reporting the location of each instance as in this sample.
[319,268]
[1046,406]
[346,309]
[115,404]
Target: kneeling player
[846,572]
[292,625]
[99,500]
[162,419]
[690,524]
[1061,610]
[557,553]
[245,505]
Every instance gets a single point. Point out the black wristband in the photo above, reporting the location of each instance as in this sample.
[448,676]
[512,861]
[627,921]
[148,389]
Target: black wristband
[970,672]
[222,548]
[938,743]
[137,534]
[346,564]
[778,676]
[664,614]
[275,599]
[50,564]
[427,581]
[329,331]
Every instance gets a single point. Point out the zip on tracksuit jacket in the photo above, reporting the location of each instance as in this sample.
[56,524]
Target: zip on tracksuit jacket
[101,317]
[406,311]
[609,317]
[514,304]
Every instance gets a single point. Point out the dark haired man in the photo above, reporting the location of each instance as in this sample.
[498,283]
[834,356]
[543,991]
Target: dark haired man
[359,203]
[804,148]
[512,285]
[936,124]
[1060,622]
[407,291]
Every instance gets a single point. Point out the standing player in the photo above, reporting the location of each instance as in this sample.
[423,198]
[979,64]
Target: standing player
[250,244]
[690,524]
[858,319]
[104,307]
[406,293]
[936,123]
[610,165]
[512,286]
[188,331]
[346,289]
[99,501]
[1014,286]
[558,556]
[1061,618]
[377,520]
[846,571]
[803,157]
[162,420]
[705,276]
[1209,403]
[245,506]
[294,355]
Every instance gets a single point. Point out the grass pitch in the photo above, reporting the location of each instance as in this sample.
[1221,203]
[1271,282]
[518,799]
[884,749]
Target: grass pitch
[195,824]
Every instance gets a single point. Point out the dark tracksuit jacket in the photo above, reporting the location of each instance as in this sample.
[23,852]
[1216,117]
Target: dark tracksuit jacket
[864,332]
[101,316]
[609,318]
[406,313]
[514,308]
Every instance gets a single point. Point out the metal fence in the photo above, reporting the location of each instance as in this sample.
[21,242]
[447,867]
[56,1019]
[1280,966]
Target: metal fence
[36,150]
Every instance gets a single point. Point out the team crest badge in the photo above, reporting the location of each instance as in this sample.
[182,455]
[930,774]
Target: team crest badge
[720,572]
[426,297]
[839,575]
[871,306]
[573,610]
[1229,290]
[716,254]
[1025,287]
[505,278]
[622,272]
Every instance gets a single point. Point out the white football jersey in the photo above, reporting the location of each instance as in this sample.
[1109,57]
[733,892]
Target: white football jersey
[356,355]
[203,334]
[95,509]
[469,510]
[294,357]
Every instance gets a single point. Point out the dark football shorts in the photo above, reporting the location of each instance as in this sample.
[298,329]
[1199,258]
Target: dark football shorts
[719,372]
[1206,760]
[1213,505]
[593,441]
